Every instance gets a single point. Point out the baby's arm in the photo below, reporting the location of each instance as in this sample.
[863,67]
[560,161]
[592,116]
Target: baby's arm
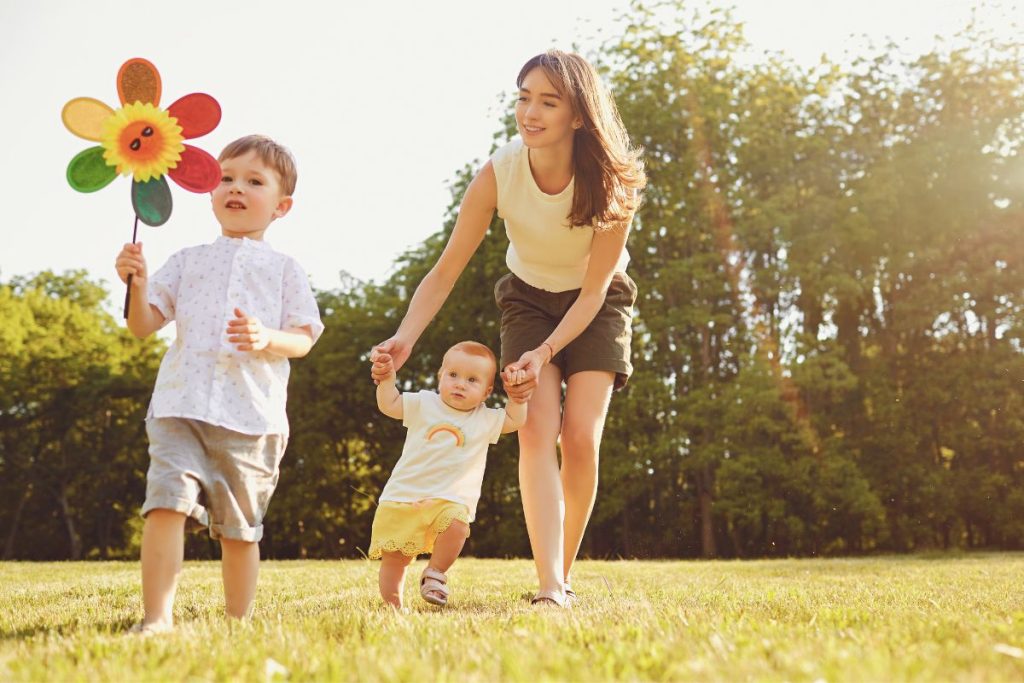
[389,398]
[143,318]
[249,334]
[515,416]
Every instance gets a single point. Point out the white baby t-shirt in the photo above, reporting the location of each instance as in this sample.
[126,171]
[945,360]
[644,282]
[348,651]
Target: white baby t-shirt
[445,451]
[204,376]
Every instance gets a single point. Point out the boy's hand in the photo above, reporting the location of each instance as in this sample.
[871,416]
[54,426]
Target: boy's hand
[131,262]
[383,366]
[247,332]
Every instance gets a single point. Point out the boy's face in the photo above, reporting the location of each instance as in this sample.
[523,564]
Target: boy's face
[465,380]
[249,197]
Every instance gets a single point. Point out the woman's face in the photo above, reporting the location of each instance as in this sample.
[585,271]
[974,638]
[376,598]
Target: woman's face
[543,116]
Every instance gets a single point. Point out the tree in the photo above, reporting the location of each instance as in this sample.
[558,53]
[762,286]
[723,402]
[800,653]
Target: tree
[72,447]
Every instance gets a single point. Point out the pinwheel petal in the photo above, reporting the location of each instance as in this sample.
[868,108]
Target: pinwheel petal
[89,172]
[197,171]
[152,201]
[84,116]
[197,114]
[138,81]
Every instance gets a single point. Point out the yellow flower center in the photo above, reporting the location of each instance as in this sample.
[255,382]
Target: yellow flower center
[141,140]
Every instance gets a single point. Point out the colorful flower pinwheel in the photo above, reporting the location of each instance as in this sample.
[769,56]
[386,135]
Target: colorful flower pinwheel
[143,140]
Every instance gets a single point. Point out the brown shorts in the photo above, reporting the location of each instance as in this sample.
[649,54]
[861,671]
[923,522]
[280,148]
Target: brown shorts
[529,315]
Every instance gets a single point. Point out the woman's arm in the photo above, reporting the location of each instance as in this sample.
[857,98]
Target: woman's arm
[604,255]
[475,214]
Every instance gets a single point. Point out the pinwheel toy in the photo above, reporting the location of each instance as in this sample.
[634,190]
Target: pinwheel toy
[143,141]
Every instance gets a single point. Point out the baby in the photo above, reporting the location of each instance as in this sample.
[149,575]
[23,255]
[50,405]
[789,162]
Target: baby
[430,500]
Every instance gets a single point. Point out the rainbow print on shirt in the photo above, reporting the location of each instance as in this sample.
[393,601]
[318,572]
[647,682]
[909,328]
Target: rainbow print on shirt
[460,438]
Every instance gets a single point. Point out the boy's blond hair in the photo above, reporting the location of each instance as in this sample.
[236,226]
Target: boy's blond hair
[472,348]
[272,154]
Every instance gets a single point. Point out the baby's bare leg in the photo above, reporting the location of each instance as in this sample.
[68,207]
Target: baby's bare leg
[392,577]
[239,567]
[448,545]
[163,548]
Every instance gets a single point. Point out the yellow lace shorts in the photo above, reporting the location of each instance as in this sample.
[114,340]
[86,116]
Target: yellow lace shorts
[411,528]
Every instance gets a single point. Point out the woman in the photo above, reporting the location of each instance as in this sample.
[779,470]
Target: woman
[567,190]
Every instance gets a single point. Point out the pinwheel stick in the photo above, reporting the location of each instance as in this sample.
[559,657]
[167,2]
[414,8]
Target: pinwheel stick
[128,293]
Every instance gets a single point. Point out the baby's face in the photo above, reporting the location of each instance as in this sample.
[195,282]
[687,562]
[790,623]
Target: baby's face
[466,381]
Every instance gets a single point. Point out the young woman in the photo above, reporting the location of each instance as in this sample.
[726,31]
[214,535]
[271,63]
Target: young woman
[567,190]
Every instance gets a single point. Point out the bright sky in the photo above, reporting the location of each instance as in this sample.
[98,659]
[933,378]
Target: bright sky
[381,103]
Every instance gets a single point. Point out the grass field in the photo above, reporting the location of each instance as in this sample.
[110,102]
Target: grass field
[916,618]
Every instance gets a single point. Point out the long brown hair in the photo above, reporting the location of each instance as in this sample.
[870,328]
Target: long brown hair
[609,172]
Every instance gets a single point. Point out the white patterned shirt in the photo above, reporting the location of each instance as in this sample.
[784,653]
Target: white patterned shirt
[203,376]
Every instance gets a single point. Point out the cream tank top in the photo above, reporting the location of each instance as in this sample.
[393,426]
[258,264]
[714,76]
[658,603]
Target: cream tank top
[543,251]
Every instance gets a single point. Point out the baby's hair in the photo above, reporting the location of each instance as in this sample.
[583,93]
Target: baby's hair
[609,172]
[272,154]
[472,348]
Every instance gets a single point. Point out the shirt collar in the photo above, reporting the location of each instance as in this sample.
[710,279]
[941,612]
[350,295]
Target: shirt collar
[242,242]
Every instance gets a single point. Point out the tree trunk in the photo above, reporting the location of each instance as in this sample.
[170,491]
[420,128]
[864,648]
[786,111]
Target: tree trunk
[734,536]
[707,531]
[74,542]
[627,547]
[103,533]
[15,523]
[847,319]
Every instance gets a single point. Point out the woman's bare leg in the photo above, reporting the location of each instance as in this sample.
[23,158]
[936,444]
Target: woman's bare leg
[587,397]
[539,482]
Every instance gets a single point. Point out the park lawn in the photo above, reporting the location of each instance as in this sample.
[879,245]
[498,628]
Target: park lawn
[893,618]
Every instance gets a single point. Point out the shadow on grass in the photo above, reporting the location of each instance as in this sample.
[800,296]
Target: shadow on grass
[68,629]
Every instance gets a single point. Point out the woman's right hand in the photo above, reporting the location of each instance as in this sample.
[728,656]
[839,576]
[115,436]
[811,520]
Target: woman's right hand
[398,352]
[475,213]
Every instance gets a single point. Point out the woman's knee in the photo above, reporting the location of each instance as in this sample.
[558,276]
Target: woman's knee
[538,436]
[580,443]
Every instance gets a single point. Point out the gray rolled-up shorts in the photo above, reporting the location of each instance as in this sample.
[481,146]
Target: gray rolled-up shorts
[529,315]
[218,478]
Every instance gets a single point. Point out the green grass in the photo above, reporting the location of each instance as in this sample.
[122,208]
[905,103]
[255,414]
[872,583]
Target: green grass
[916,618]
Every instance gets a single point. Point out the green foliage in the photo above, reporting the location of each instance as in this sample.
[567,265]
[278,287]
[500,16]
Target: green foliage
[827,344]
[72,443]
